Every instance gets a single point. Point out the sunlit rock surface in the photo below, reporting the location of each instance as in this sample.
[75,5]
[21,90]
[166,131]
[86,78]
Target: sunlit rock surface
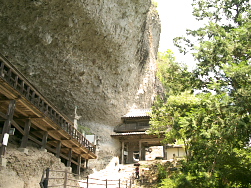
[98,55]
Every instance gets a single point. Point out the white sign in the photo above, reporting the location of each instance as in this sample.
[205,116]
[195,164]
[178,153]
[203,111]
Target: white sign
[5,139]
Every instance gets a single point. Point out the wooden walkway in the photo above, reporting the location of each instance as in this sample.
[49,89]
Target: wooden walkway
[25,109]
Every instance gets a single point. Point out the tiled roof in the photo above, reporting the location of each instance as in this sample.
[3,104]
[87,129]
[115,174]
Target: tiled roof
[138,113]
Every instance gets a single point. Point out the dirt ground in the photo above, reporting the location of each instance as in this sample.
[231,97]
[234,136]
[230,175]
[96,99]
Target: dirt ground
[25,170]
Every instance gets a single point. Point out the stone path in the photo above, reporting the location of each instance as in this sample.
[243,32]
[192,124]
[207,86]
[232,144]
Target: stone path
[124,173]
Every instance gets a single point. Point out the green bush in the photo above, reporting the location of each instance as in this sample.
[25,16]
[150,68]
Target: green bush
[181,180]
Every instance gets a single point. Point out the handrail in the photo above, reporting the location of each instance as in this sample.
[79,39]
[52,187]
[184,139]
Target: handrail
[118,182]
[18,81]
[45,180]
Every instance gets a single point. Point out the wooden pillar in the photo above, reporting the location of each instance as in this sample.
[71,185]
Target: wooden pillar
[143,154]
[79,164]
[122,152]
[26,133]
[69,157]
[58,149]
[127,151]
[7,125]
[164,153]
[44,141]
[140,152]
[1,69]
[86,163]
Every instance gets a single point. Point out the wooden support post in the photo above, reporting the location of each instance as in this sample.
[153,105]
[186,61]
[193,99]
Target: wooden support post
[9,75]
[69,158]
[16,80]
[58,149]
[122,152]
[22,87]
[33,96]
[44,141]
[164,152]
[26,133]
[1,69]
[7,125]
[79,164]
[140,152]
[143,157]
[28,92]
[86,163]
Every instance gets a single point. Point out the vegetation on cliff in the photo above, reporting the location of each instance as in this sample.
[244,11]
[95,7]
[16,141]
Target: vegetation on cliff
[209,108]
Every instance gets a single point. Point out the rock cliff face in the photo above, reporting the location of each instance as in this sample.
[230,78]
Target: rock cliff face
[98,55]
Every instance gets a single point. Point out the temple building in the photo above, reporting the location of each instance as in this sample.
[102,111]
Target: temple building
[136,143]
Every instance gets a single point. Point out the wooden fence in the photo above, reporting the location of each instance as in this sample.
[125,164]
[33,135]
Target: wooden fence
[65,179]
[61,179]
[106,183]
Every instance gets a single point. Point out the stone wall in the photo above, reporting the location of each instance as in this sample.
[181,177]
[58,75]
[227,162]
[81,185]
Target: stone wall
[98,55]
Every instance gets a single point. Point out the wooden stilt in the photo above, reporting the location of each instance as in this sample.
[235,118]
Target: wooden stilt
[122,152]
[79,165]
[7,125]
[26,134]
[58,149]
[69,157]
[140,150]
[44,141]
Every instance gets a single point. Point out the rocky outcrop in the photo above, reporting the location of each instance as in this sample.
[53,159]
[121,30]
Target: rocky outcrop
[98,55]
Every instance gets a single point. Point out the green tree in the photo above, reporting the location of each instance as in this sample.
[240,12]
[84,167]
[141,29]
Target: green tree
[174,76]
[215,128]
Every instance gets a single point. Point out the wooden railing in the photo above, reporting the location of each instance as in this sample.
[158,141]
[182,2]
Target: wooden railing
[65,179]
[95,182]
[14,78]
[59,179]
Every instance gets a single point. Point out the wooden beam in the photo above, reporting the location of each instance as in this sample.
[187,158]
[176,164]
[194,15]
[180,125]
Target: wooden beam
[26,133]
[7,125]
[122,152]
[79,165]
[140,150]
[35,140]
[24,118]
[69,157]
[5,100]
[3,115]
[35,107]
[44,141]
[58,148]
[8,100]
[51,150]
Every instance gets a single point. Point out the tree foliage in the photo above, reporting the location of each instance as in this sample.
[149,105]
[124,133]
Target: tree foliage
[214,125]
[173,76]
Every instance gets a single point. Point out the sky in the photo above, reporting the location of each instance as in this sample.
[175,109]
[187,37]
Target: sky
[176,16]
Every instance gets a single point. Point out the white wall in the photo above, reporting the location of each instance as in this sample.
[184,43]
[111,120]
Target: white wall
[179,152]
